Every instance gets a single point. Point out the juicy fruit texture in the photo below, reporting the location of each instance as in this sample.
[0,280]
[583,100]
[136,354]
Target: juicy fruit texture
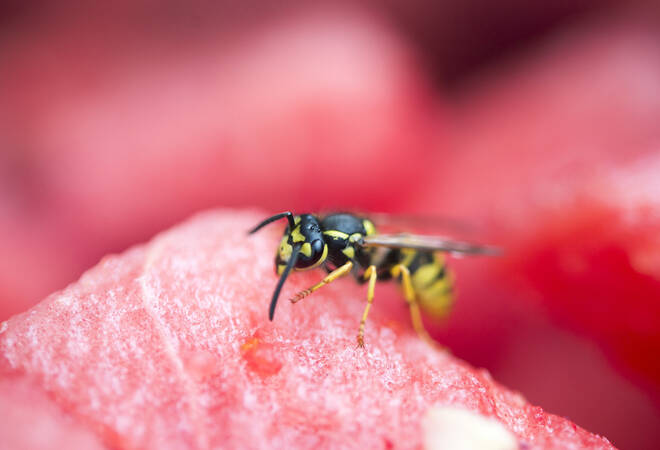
[557,157]
[605,280]
[568,184]
[169,346]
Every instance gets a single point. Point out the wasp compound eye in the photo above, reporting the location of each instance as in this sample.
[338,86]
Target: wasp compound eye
[317,247]
[312,254]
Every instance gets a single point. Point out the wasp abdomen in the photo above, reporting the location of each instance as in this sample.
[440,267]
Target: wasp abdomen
[431,279]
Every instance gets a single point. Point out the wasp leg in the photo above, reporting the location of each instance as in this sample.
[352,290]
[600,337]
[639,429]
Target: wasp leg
[332,276]
[371,274]
[411,299]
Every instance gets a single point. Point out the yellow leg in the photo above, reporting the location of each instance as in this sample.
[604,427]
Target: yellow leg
[371,274]
[409,294]
[332,276]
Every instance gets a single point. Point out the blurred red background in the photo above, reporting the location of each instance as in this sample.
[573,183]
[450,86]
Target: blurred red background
[537,123]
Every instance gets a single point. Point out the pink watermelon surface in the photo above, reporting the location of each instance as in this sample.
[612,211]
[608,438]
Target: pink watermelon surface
[111,131]
[168,346]
[561,152]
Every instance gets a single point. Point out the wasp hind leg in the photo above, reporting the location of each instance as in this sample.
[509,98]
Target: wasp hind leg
[371,275]
[332,276]
[413,305]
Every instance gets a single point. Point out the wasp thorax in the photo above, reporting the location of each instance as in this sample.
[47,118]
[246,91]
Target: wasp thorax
[307,236]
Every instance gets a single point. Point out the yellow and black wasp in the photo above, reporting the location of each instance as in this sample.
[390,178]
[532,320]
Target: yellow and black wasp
[345,243]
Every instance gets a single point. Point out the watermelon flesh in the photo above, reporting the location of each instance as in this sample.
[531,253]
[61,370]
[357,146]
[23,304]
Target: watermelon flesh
[583,109]
[567,171]
[564,145]
[169,346]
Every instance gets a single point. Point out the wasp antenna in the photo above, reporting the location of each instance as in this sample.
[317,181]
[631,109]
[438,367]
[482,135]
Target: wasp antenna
[280,283]
[271,219]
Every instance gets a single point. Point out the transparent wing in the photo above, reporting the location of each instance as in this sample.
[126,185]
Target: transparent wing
[428,243]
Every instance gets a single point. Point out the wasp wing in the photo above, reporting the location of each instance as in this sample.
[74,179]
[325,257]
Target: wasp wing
[428,243]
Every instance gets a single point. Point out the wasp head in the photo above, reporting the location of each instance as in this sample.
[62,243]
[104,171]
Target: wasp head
[302,247]
[306,234]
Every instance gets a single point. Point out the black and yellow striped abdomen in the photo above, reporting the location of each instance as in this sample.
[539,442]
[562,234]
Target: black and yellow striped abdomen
[431,279]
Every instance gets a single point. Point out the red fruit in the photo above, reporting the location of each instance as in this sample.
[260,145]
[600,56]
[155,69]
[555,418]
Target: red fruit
[596,262]
[169,346]
[556,156]
[570,169]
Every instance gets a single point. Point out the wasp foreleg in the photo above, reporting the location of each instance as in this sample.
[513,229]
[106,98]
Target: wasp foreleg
[332,276]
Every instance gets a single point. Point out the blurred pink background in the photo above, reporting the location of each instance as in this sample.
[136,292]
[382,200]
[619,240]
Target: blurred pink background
[536,122]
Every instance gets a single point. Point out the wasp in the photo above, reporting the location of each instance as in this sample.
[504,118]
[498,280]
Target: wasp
[343,243]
